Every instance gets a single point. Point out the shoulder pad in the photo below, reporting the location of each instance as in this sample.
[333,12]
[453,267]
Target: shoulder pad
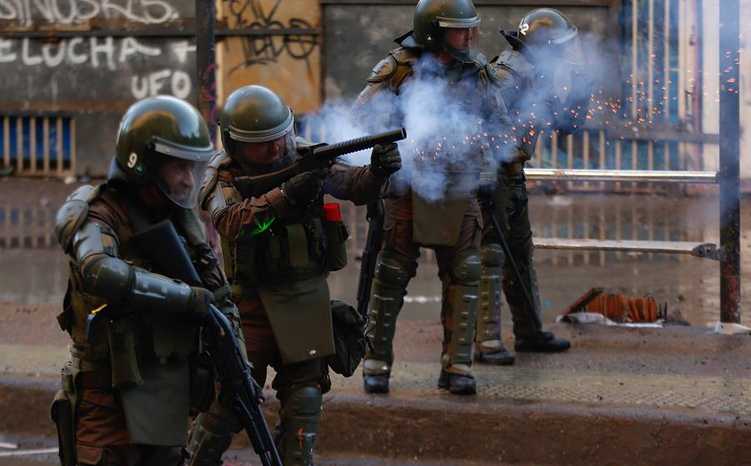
[219,159]
[480,60]
[73,213]
[211,177]
[405,56]
[384,70]
[515,62]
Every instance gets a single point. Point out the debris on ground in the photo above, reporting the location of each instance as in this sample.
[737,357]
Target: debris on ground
[726,328]
[596,306]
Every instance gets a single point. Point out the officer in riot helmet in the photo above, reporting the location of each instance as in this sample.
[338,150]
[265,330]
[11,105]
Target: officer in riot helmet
[127,387]
[278,248]
[542,85]
[445,31]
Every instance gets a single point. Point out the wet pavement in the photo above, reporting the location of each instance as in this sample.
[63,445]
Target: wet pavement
[678,395]
[634,396]
[35,271]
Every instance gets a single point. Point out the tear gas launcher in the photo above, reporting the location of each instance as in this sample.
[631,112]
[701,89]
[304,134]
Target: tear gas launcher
[316,157]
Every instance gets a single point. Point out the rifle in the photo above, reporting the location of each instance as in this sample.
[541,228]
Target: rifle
[488,204]
[313,158]
[162,245]
[373,244]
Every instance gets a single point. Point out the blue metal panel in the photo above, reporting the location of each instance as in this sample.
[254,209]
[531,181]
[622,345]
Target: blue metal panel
[25,142]
[67,140]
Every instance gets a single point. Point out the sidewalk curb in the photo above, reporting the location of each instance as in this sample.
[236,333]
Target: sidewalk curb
[418,428]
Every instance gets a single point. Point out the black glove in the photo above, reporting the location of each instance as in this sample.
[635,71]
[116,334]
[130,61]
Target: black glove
[304,188]
[385,159]
[199,301]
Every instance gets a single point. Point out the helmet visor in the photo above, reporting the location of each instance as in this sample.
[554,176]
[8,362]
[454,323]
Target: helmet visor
[264,157]
[180,179]
[461,42]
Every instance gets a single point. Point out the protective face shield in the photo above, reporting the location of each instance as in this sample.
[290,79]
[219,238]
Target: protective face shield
[177,171]
[260,157]
[462,43]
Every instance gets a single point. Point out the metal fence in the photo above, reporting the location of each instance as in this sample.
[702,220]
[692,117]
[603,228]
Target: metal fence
[38,144]
[625,148]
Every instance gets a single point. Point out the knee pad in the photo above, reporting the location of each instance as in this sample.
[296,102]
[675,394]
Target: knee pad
[304,401]
[467,268]
[492,255]
[393,269]
[207,441]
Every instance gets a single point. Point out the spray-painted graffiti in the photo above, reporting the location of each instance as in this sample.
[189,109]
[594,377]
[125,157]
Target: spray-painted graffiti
[108,54]
[27,12]
[99,52]
[262,50]
[175,82]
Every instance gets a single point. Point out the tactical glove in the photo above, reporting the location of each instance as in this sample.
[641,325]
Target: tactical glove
[385,159]
[304,188]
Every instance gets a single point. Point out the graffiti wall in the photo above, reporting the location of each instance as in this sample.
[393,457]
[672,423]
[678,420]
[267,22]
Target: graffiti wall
[91,59]
[280,47]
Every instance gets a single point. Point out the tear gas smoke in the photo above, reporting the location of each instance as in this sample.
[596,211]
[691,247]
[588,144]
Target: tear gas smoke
[458,130]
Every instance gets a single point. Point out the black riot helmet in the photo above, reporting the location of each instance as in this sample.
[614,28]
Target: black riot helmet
[543,28]
[432,20]
[255,116]
[165,141]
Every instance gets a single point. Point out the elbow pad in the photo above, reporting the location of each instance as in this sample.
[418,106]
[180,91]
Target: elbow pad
[109,277]
[113,279]
[157,292]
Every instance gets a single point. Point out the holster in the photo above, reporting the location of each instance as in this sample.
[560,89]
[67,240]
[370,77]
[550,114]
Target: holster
[62,413]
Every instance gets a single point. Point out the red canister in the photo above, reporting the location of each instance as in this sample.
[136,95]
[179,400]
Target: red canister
[332,212]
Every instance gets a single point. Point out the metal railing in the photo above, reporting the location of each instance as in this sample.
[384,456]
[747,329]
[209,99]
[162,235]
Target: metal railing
[595,155]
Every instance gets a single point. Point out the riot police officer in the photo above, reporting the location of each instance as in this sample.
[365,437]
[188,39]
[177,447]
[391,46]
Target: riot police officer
[445,32]
[531,74]
[278,248]
[127,387]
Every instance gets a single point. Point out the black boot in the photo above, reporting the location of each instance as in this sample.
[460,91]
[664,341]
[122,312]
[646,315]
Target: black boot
[542,342]
[376,383]
[457,384]
[500,357]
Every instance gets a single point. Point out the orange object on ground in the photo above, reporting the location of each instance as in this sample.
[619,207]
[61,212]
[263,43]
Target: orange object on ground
[620,308]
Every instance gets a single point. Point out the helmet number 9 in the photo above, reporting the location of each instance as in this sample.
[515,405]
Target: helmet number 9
[132,160]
